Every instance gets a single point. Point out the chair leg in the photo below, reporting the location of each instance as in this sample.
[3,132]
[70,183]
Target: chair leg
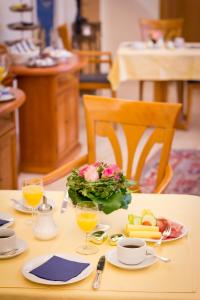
[188,104]
[113,93]
[141,87]
[180,91]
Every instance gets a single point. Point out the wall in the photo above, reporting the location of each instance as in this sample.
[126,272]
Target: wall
[119,19]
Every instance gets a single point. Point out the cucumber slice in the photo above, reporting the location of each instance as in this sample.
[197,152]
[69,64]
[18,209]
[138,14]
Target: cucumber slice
[137,220]
[133,219]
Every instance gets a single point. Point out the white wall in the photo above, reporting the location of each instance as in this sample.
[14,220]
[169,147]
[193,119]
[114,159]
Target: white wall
[119,20]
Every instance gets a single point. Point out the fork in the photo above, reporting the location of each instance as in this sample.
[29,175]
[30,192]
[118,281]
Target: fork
[165,234]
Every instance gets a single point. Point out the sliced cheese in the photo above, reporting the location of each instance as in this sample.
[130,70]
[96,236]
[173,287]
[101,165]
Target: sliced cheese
[141,227]
[144,234]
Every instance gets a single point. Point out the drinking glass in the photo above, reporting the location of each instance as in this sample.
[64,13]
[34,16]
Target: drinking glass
[32,192]
[4,66]
[87,218]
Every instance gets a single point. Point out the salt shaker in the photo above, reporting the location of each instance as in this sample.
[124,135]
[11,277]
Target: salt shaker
[45,227]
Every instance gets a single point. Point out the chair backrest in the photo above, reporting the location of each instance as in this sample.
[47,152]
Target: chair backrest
[170,28]
[63,32]
[134,117]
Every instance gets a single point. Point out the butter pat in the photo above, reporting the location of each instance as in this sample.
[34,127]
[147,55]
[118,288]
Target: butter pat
[144,234]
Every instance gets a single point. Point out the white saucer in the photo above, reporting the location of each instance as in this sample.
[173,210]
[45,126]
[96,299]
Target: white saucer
[21,247]
[28,210]
[37,261]
[7,217]
[111,257]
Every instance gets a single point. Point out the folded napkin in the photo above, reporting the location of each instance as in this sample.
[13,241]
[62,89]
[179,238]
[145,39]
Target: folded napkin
[59,269]
[2,222]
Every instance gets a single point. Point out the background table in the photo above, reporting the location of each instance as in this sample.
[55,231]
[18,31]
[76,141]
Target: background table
[159,65]
[175,280]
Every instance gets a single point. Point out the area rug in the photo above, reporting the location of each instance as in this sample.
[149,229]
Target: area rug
[186,169]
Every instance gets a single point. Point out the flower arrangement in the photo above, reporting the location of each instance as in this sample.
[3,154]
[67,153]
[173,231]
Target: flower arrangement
[101,183]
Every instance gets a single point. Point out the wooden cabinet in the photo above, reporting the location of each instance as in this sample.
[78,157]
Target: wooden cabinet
[49,128]
[8,155]
[8,170]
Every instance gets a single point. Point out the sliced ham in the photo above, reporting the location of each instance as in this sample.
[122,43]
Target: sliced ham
[176,228]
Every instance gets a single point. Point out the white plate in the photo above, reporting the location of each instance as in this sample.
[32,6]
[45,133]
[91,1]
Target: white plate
[28,210]
[37,261]
[6,97]
[7,217]
[184,233]
[21,247]
[111,257]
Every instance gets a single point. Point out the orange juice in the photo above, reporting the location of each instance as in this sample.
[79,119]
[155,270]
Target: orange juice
[87,220]
[2,73]
[32,194]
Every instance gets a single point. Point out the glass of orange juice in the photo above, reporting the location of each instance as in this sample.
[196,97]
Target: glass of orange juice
[32,192]
[87,218]
[4,65]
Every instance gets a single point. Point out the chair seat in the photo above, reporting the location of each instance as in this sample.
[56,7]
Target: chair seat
[99,77]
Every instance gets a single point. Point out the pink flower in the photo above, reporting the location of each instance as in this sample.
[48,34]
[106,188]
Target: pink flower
[97,164]
[112,170]
[156,34]
[91,174]
[83,170]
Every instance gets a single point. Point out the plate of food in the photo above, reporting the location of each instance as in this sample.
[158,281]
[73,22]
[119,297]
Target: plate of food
[152,228]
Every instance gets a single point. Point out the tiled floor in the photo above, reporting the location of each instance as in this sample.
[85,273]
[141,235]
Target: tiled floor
[182,139]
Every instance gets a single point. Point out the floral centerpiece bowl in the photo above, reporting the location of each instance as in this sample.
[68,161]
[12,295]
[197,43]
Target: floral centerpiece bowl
[101,183]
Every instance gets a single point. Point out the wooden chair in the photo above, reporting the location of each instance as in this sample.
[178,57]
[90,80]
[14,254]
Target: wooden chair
[93,78]
[134,117]
[170,29]
[63,33]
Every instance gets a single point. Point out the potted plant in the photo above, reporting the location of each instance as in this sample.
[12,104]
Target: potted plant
[101,183]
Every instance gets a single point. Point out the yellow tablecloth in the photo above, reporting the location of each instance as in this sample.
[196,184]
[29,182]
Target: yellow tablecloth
[176,280]
[154,64]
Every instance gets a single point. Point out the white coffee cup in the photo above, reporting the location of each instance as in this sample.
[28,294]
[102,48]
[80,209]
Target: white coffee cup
[131,251]
[8,240]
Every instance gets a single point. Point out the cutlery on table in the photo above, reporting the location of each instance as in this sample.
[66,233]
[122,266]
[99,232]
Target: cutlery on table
[165,234]
[64,203]
[18,202]
[99,271]
[162,258]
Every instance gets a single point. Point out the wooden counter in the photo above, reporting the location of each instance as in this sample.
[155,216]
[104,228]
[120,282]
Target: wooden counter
[49,121]
[8,154]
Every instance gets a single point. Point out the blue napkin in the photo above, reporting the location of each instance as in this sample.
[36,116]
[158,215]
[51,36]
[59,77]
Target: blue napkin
[2,222]
[59,269]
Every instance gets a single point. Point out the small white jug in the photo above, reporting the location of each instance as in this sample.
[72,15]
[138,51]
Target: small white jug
[45,227]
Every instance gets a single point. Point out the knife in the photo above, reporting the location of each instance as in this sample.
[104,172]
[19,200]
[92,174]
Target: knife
[64,203]
[99,271]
